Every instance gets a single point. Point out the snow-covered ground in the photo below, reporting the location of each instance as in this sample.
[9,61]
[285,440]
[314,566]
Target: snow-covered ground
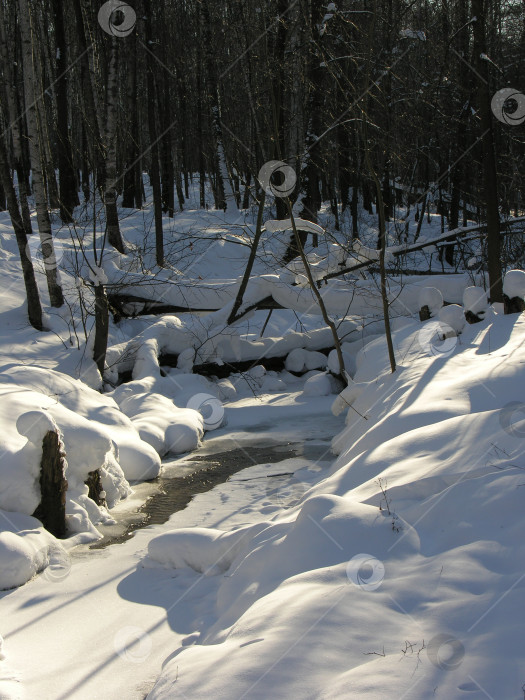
[394,568]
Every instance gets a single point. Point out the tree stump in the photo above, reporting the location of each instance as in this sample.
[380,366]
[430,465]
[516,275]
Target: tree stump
[471,317]
[424,313]
[516,305]
[96,491]
[53,485]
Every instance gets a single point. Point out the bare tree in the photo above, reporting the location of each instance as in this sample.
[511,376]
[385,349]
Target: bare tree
[33,92]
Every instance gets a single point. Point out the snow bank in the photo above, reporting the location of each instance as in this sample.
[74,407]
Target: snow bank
[25,549]
[401,572]
[96,435]
[204,550]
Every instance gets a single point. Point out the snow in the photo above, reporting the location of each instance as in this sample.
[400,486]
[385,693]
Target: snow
[96,435]
[362,545]
[514,284]
[286,225]
[34,425]
[475,300]
[394,569]
[160,423]
[431,297]
[320,384]
[413,34]
[452,319]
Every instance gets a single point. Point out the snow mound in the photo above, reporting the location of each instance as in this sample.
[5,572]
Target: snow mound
[349,360]
[320,384]
[452,320]
[475,300]
[300,360]
[348,396]
[96,436]
[431,297]
[204,550]
[163,425]
[17,560]
[34,425]
[25,549]
[514,284]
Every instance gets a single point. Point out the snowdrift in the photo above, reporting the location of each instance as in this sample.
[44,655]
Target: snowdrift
[401,573]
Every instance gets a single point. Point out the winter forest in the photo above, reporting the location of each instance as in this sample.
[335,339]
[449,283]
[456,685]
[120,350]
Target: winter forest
[262,349]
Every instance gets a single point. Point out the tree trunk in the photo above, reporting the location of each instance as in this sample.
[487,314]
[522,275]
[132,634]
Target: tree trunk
[36,152]
[490,176]
[101,328]
[68,196]
[51,510]
[34,308]
[154,150]
[110,194]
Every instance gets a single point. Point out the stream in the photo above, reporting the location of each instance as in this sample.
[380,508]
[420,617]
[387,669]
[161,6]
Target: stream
[183,478]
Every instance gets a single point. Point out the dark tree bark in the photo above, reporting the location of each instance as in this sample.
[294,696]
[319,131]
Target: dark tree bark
[110,189]
[101,328]
[32,89]
[68,195]
[154,172]
[34,308]
[490,176]
[53,485]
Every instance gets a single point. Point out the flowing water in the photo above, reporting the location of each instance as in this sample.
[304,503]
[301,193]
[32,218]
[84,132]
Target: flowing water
[186,477]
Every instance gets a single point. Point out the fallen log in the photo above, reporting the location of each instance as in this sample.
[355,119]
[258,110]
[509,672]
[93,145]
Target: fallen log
[118,302]
[444,238]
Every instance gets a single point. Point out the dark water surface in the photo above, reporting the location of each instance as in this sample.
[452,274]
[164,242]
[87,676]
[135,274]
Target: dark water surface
[173,493]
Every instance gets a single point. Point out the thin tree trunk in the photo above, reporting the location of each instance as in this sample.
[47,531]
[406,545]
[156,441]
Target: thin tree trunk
[35,146]
[101,328]
[490,176]
[34,308]
[154,150]
[110,194]
[68,186]
[251,260]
